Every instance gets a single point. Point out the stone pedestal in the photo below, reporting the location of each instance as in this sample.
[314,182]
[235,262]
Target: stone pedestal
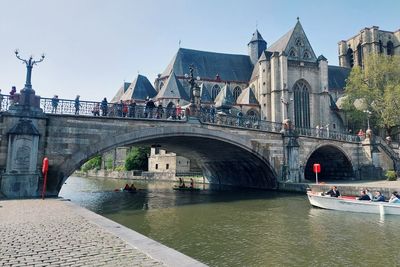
[21,178]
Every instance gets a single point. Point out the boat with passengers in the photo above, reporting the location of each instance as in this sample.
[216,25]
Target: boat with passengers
[352,204]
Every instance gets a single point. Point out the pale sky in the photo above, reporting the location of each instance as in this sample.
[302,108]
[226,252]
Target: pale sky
[92,46]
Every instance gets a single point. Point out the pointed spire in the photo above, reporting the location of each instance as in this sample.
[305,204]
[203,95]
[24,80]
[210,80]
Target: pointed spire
[247,97]
[205,95]
[139,89]
[224,100]
[257,37]
[173,89]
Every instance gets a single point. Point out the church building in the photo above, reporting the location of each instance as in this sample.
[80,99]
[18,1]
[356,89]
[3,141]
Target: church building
[283,80]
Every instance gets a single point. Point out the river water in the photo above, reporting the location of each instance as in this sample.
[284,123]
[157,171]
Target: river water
[243,227]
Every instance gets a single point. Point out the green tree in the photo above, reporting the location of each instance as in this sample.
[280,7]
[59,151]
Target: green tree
[137,159]
[375,88]
[91,164]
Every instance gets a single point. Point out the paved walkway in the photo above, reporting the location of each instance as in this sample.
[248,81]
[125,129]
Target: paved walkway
[58,233]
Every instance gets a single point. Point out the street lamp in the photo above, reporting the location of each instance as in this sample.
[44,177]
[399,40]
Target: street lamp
[29,65]
[368,116]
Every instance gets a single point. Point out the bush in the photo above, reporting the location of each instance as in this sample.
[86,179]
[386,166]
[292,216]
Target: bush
[391,176]
[119,168]
[92,164]
[137,159]
[108,165]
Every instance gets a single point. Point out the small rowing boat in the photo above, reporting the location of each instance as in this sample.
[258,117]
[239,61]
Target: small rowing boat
[185,188]
[352,204]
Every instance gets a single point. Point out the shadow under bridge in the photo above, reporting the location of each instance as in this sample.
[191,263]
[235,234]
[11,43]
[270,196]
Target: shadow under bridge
[221,162]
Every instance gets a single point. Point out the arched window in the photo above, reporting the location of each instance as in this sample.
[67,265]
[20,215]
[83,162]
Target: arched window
[359,55]
[299,42]
[301,93]
[292,53]
[306,55]
[236,92]
[350,57]
[252,114]
[380,47]
[215,91]
[389,48]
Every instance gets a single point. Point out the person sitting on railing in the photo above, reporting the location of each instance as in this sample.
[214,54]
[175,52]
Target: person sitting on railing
[54,104]
[132,109]
[77,104]
[96,110]
[104,107]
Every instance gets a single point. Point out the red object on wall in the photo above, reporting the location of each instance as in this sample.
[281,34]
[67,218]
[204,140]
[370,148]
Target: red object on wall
[45,168]
[317,168]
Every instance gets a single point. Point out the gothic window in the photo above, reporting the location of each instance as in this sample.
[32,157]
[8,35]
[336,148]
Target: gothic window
[252,114]
[389,48]
[306,55]
[299,42]
[236,92]
[292,53]
[301,93]
[350,57]
[215,91]
[380,47]
[359,55]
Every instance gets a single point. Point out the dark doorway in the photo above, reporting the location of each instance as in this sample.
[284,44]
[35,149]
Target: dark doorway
[334,165]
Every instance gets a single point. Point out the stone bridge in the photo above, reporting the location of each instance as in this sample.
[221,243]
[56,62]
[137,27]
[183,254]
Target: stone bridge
[229,154]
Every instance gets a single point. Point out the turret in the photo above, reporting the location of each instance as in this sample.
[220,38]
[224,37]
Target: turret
[256,46]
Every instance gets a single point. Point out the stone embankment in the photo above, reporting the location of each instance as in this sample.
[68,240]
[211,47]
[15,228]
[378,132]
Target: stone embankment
[59,233]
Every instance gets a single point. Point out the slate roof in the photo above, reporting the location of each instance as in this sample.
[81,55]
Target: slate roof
[208,64]
[337,77]
[120,92]
[247,97]
[225,98]
[281,44]
[265,55]
[256,37]
[139,89]
[205,95]
[172,89]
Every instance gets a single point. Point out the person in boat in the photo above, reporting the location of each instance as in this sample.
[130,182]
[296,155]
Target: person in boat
[132,187]
[394,198]
[127,188]
[364,196]
[334,192]
[191,183]
[378,197]
[181,183]
[368,192]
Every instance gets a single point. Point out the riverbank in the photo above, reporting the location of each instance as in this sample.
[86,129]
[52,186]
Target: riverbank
[54,232]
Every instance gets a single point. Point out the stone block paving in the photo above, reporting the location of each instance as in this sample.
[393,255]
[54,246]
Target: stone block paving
[49,233]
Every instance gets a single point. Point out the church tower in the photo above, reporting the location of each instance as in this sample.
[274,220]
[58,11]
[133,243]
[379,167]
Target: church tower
[256,46]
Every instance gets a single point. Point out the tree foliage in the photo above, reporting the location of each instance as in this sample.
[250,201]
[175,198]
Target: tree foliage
[376,87]
[92,164]
[137,159]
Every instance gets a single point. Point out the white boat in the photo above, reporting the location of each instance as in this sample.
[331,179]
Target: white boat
[352,204]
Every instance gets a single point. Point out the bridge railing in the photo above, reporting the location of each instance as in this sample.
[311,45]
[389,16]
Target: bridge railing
[140,111]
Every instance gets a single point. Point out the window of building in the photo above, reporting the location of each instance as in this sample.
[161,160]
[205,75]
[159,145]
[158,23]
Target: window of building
[179,162]
[306,55]
[380,46]
[292,53]
[301,93]
[350,57]
[215,91]
[359,55]
[299,42]
[334,125]
[389,48]
[156,166]
[167,166]
[236,92]
[187,162]
[263,70]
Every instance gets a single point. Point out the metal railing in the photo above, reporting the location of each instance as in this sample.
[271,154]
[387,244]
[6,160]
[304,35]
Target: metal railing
[141,111]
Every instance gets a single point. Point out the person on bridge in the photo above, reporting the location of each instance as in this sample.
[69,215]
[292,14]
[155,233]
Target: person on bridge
[334,192]
[77,104]
[96,110]
[54,104]
[104,107]
[124,109]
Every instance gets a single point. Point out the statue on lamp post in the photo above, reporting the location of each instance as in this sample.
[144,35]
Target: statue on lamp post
[194,92]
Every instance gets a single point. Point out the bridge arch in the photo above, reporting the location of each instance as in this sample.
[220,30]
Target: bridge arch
[225,157]
[335,164]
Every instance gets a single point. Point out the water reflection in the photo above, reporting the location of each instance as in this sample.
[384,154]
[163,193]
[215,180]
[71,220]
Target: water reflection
[243,227]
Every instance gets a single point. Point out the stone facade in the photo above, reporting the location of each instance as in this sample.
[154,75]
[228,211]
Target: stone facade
[369,40]
[161,161]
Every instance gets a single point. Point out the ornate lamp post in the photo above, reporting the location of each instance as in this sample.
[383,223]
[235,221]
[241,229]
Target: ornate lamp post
[194,92]
[28,94]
